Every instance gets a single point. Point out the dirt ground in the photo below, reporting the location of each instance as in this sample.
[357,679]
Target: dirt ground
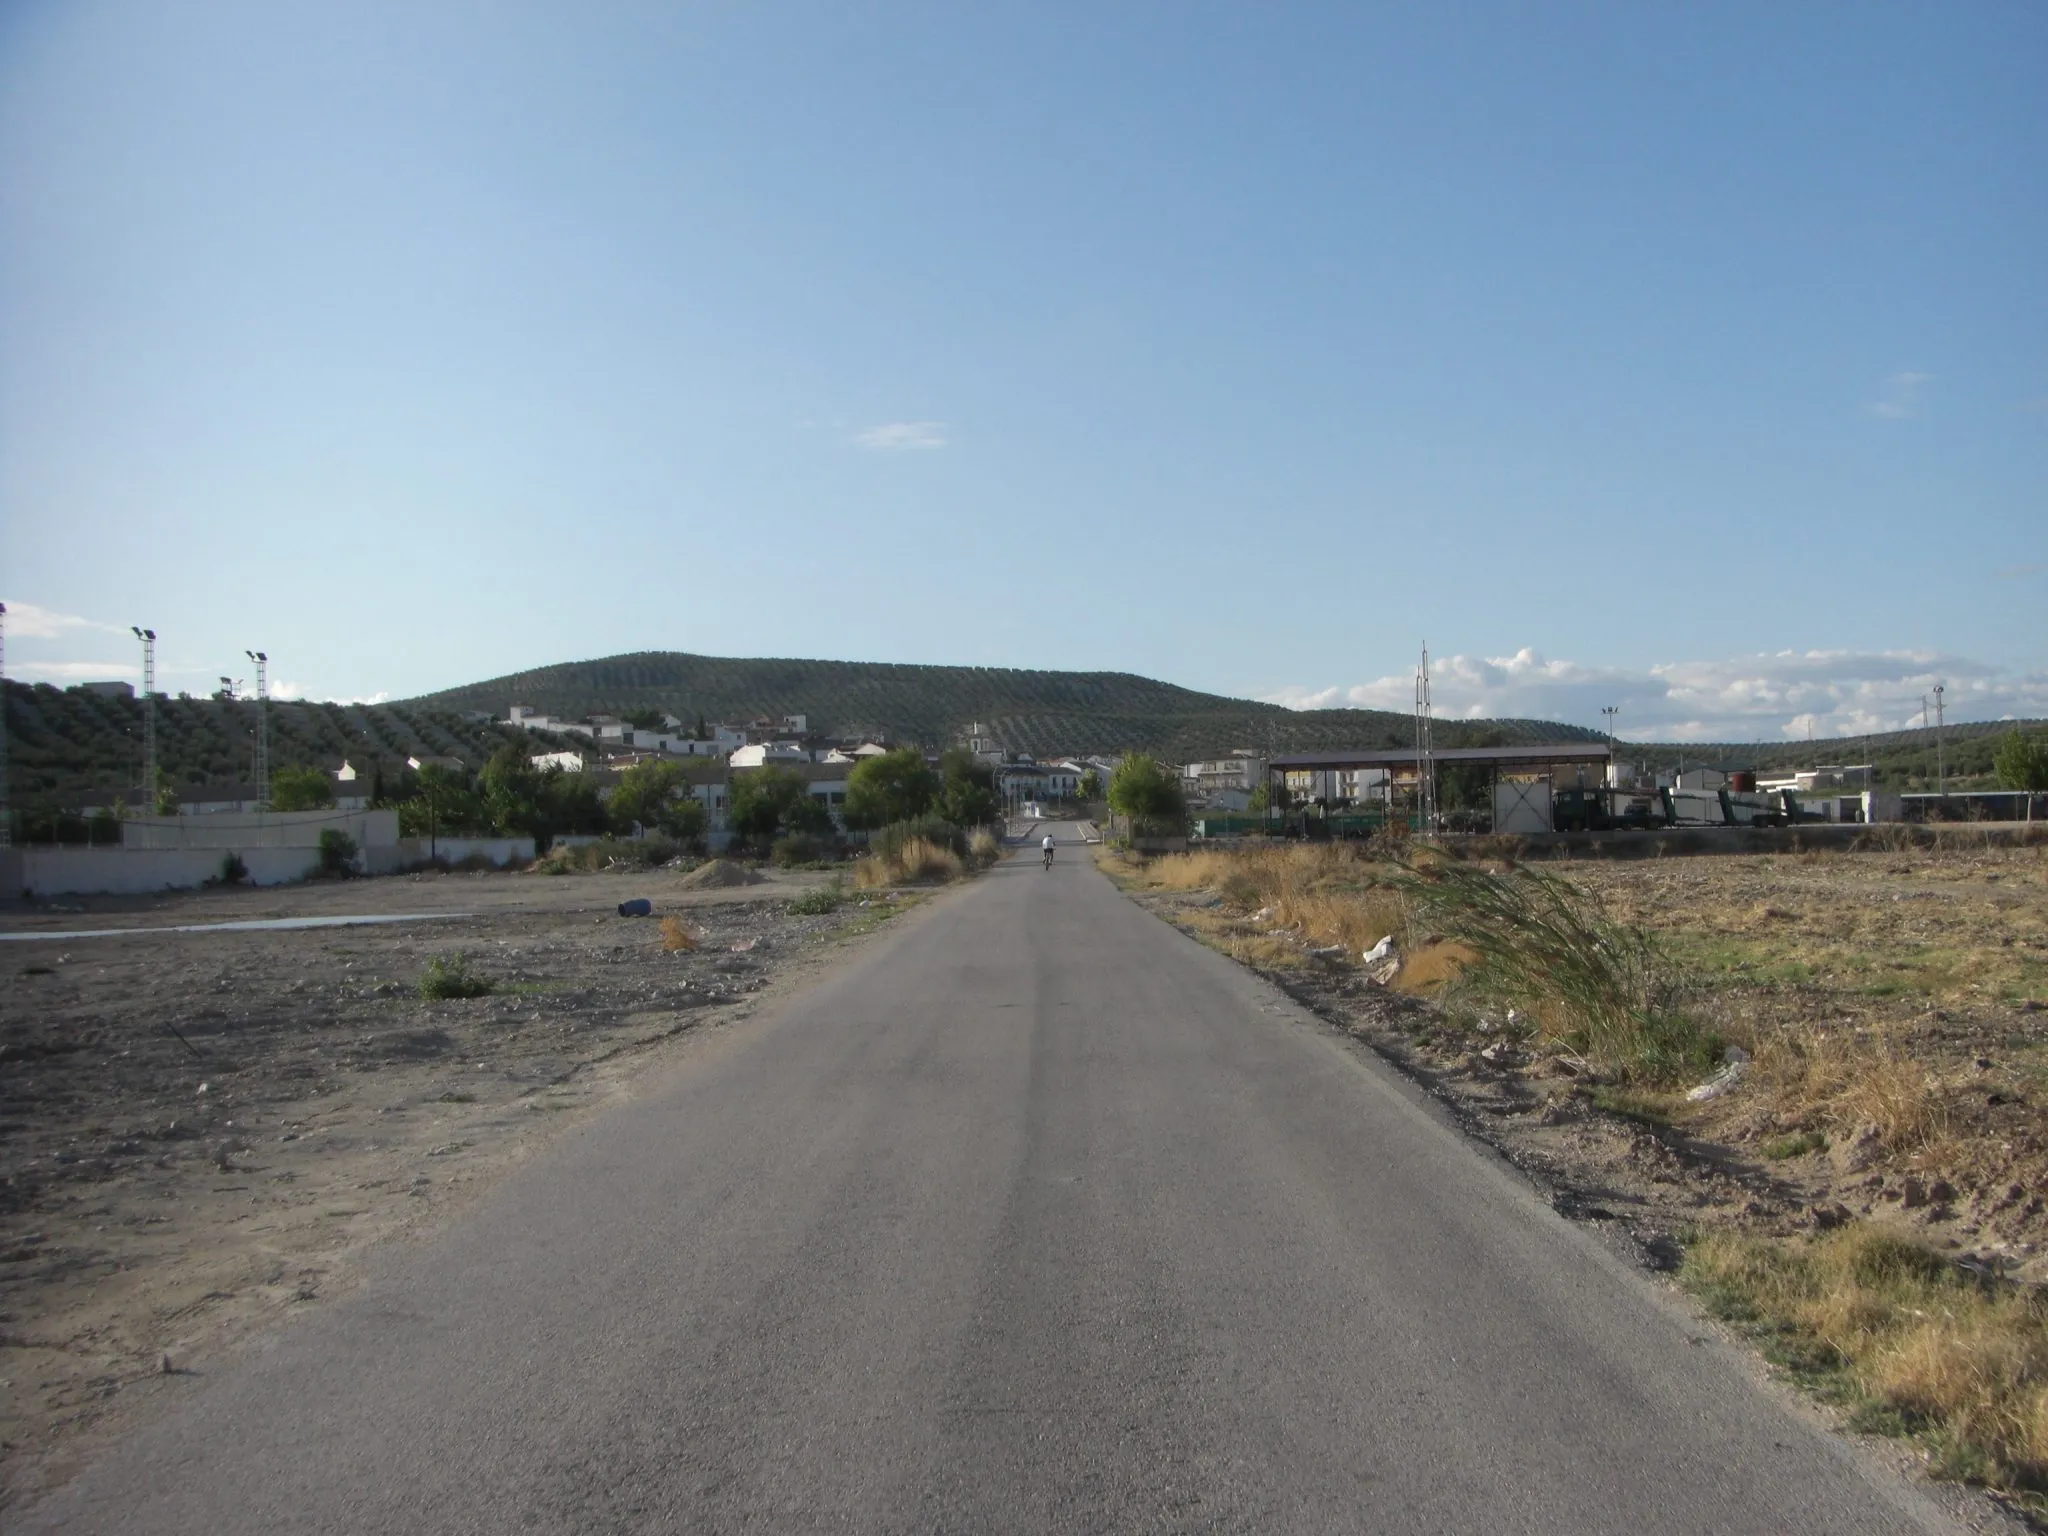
[199,1132]
[1919,978]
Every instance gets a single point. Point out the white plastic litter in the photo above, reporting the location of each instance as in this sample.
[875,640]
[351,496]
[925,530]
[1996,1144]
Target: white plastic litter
[1734,1062]
[1379,951]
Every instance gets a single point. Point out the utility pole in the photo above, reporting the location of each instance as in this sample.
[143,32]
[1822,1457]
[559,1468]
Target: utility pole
[1940,741]
[6,817]
[262,661]
[148,639]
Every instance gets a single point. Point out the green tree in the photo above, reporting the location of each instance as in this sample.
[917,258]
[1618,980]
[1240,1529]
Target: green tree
[1148,793]
[300,789]
[2022,761]
[967,790]
[897,786]
[1091,785]
[442,804]
[809,816]
[511,788]
[644,719]
[655,794]
[766,801]
[164,801]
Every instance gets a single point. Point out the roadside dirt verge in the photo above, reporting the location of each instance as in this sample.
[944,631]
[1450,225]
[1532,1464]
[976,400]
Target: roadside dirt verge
[200,1131]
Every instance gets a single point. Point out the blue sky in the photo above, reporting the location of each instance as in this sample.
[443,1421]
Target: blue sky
[1694,361]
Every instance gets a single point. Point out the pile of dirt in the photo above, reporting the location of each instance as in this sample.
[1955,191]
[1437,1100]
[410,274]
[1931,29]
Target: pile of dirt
[719,872]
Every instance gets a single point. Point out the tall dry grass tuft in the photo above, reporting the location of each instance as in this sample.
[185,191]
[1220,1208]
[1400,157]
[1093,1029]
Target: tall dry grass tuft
[1844,1081]
[1324,893]
[1604,990]
[983,847]
[913,861]
[1951,1354]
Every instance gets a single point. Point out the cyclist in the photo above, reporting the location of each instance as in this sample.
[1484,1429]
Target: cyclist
[1047,846]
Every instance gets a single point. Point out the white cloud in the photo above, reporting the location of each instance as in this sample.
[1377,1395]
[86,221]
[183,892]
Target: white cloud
[903,436]
[28,621]
[1901,397]
[370,698]
[67,672]
[1742,698]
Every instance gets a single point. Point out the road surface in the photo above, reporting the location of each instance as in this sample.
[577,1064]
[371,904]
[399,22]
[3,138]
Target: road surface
[1036,1216]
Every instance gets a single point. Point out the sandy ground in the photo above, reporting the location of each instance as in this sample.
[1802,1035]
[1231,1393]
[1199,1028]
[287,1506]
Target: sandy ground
[199,1132]
[1935,959]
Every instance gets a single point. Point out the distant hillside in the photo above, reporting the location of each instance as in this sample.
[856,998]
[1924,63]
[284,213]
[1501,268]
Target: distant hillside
[1905,760]
[63,745]
[1027,711]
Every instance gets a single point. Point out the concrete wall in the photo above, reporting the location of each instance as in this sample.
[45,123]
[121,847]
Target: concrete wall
[411,852]
[243,830]
[138,871]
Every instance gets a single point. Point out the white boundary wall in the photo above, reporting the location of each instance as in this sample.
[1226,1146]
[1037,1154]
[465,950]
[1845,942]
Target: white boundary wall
[243,830]
[409,852]
[63,871]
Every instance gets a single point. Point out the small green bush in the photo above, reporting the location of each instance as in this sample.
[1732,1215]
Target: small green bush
[1798,1145]
[797,848]
[818,903]
[337,852]
[449,976]
[232,870]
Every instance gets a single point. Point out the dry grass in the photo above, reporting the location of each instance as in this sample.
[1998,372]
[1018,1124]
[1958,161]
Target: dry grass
[676,936]
[983,847]
[916,861]
[1918,1344]
[1842,1080]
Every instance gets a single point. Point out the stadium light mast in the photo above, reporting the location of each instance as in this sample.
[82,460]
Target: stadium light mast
[262,660]
[1940,741]
[148,639]
[1425,750]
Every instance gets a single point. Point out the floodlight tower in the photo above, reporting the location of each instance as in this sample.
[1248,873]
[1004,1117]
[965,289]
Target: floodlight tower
[262,661]
[1425,750]
[148,639]
[1940,741]
[6,820]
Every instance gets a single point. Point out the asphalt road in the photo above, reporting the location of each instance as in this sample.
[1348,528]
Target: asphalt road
[1034,1217]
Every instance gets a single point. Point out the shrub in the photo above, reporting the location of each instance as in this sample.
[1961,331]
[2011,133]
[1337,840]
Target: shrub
[983,847]
[818,903]
[675,935]
[891,840]
[912,860]
[797,848]
[337,852]
[605,853]
[449,976]
[232,870]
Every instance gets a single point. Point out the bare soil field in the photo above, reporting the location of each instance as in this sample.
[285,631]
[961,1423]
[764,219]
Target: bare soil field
[200,1130]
